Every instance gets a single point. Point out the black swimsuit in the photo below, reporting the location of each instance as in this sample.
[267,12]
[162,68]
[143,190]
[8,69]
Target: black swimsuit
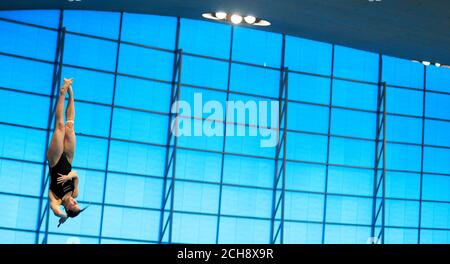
[63,167]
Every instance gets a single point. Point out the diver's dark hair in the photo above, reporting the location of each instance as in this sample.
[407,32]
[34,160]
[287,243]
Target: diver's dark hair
[73,214]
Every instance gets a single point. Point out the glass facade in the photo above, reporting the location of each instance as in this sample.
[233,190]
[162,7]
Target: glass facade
[123,67]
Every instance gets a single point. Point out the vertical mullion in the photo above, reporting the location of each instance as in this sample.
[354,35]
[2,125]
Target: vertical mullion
[383,220]
[377,137]
[328,146]
[172,197]
[49,122]
[110,129]
[230,59]
[283,187]
[422,152]
[273,231]
[283,90]
[169,139]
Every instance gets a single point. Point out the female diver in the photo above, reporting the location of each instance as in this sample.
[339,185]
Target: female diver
[63,181]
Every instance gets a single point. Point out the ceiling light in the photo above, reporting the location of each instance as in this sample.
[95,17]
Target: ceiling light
[437,64]
[209,16]
[236,19]
[250,19]
[221,15]
[262,22]
[426,63]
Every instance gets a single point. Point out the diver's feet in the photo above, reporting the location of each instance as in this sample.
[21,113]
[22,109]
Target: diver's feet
[67,85]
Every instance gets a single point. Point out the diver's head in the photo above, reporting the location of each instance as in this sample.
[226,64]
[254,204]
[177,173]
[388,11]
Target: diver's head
[71,206]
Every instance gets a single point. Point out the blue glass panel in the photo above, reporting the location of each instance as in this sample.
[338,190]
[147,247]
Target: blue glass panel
[402,101]
[200,166]
[198,100]
[49,18]
[246,201]
[20,37]
[437,105]
[256,46]
[304,206]
[305,177]
[26,75]
[402,213]
[204,72]
[91,85]
[139,126]
[190,197]
[205,38]
[349,210]
[136,158]
[190,228]
[22,143]
[146,95]
[302,233]
[92,119]
[255,80]
[130,223]
[250,145]
[258,110]
[24,109]
[402,185]
[353,123]
[436,133]
[308,118]
[157,31]
[16,237]
[308,56]
[404,129]
[244,231]
[90,52]
[343,234]
[306,147]
[20,177]
[18,212]
[352,152]
[438,79]
[436,160]
[402,72]
[122,189]
[200,141]
[103,24]
[350,181]
[355,64]
[403,157]
[436,187]
[90,153]
[434,236]
[143,62]
[435,215]
[400,236]
[248,171]
[355,95]
[309,88]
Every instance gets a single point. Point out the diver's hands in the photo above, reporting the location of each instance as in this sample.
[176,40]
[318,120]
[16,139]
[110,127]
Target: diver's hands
[62,178]
[62,219]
